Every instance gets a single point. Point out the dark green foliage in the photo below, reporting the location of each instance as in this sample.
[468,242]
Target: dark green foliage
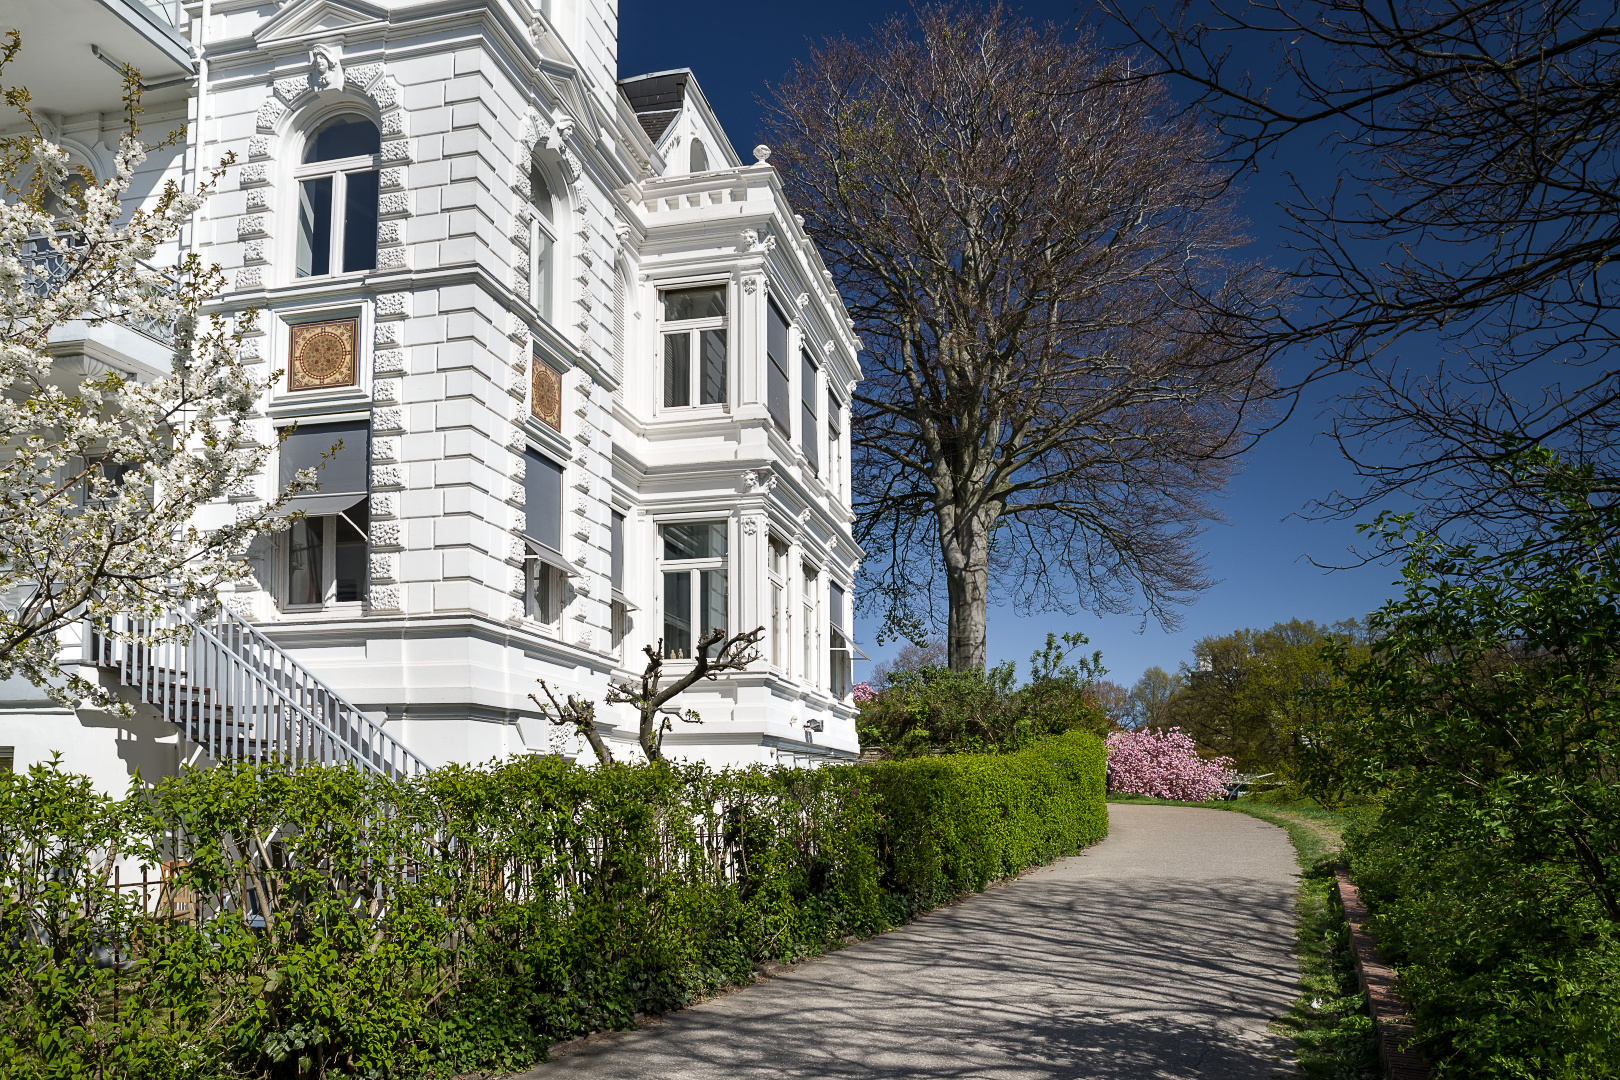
[1487,721]
[323,922]
[934,709]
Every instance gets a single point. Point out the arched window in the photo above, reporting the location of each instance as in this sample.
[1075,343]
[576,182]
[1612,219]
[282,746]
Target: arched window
[542,242]
[700,157]
[337,198]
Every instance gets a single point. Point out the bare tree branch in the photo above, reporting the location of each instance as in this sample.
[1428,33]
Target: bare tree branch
[715,654]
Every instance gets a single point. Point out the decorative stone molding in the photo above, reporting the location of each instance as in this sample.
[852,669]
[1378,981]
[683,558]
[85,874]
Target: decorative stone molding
[385,598]
[394,204]
[386,476]
[388,362]
[385,391]
[382,565]
[750,526]
[250,225]
[388,420]
[253,251]
[386,334]
[517,495]
[392,179]
[750,285]
[269,115]
[251,175]
[251,277]
[385,449]
[390,234]
[385,534]
[391,258]
[382,505]
[391,305]
[396,151]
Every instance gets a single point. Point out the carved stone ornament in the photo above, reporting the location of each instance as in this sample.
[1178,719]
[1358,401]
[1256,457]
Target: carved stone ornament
[322,355]
[545,400]
[328,67]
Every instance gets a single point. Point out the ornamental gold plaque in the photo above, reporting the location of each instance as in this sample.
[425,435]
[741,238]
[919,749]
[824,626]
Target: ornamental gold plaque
[546,400]
[324,355]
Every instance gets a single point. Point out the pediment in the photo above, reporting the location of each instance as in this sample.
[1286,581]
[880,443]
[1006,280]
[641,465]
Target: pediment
[312,18]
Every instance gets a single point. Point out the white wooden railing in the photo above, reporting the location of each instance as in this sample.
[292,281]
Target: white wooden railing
[239,695]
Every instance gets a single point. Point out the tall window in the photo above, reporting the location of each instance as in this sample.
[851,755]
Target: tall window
[778,395]
[546,569]
[694,346]
[337,198]
[620,611]
[810,433]
[621,324]
[694,558]
[777,575]
[841,661]
[812,627]
[835,445]
[325,550]
[542,242]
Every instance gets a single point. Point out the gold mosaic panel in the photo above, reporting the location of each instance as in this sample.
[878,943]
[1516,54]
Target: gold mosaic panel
[323,355]
[545,402]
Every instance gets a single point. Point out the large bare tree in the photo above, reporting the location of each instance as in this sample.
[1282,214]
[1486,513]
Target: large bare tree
[1037,259]
[1458,225]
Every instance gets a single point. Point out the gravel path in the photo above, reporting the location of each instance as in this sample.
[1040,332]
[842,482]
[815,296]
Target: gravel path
[1160,954]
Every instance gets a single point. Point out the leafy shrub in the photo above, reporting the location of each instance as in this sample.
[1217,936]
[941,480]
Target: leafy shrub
[1164,764]
[932,709]
[320,921]
[1487,721]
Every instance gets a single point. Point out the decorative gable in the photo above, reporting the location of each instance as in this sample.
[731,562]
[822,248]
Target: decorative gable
[315,18]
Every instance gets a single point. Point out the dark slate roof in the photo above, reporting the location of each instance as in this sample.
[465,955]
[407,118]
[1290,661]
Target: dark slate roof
[657,98]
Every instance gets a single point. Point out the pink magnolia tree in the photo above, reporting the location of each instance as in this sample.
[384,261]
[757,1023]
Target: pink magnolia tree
[1165,765]
[863,693]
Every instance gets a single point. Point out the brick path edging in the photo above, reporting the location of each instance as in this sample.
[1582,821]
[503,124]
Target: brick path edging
[1377,978]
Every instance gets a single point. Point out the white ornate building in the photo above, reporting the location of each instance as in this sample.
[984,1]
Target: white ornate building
[590,376]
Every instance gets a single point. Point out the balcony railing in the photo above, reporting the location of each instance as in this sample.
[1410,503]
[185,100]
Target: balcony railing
[50,268]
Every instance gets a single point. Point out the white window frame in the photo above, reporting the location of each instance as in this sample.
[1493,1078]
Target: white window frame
[810,601]
[535,572]
[339,169]
[693,331]
[835,445]
[777,560]
[543,227]
[329,545]
[694,568]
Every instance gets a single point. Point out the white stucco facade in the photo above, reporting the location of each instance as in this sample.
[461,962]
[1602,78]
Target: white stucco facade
[564,293]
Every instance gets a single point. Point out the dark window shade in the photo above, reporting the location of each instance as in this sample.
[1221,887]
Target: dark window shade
[360,210]
[810,436]
[836,603]
[542,499]
[618,551]
[778,396]
[346,473]
[835,420]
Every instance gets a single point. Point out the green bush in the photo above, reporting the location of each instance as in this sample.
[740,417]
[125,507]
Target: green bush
[937,710]
[320,921]
[1486,721]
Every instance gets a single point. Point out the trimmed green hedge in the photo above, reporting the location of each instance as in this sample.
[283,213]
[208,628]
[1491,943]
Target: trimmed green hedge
[323,922]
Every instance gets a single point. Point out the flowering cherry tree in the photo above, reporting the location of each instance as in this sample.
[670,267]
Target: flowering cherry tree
[1164,764]
[862,693]
[103,472]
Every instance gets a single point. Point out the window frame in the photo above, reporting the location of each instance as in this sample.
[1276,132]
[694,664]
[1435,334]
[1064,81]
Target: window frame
[339,170]
[542,226]
[777,559]
[810,602]
[809,421]
[693,330]
[835,445]
[694,568]
[328,574]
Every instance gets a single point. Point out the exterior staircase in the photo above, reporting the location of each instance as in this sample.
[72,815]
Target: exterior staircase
[239,695]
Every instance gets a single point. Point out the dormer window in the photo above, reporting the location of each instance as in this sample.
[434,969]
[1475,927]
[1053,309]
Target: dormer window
[337,198]
[699,161]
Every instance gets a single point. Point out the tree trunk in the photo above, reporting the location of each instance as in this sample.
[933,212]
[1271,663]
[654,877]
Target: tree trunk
[967,580]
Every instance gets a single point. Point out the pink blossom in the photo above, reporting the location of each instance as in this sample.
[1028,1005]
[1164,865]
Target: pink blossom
[1165,765]
[863,693]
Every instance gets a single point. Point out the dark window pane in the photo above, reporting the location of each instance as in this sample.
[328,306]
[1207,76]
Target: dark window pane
[345,137]
[714,367]
[677,370]
[700,157]
[678,616]
[617,540]
[540,192]
[315,227]
[714,604]
[305,548]
[704,303]
[701,540]
[776,369]
[543,582]
[351,554]
[360,221]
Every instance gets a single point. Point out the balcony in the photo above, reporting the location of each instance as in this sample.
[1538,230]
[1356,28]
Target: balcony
[64,75]
[145,344]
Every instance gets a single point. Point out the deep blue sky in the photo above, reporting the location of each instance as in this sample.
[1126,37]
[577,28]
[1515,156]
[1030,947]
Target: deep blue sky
[1260,555]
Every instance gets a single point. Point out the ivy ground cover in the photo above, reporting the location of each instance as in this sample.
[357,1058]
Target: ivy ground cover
[254,921]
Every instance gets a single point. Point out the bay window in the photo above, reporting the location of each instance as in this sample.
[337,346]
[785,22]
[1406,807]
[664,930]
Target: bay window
[695,587]
[338,199]
[694,330]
